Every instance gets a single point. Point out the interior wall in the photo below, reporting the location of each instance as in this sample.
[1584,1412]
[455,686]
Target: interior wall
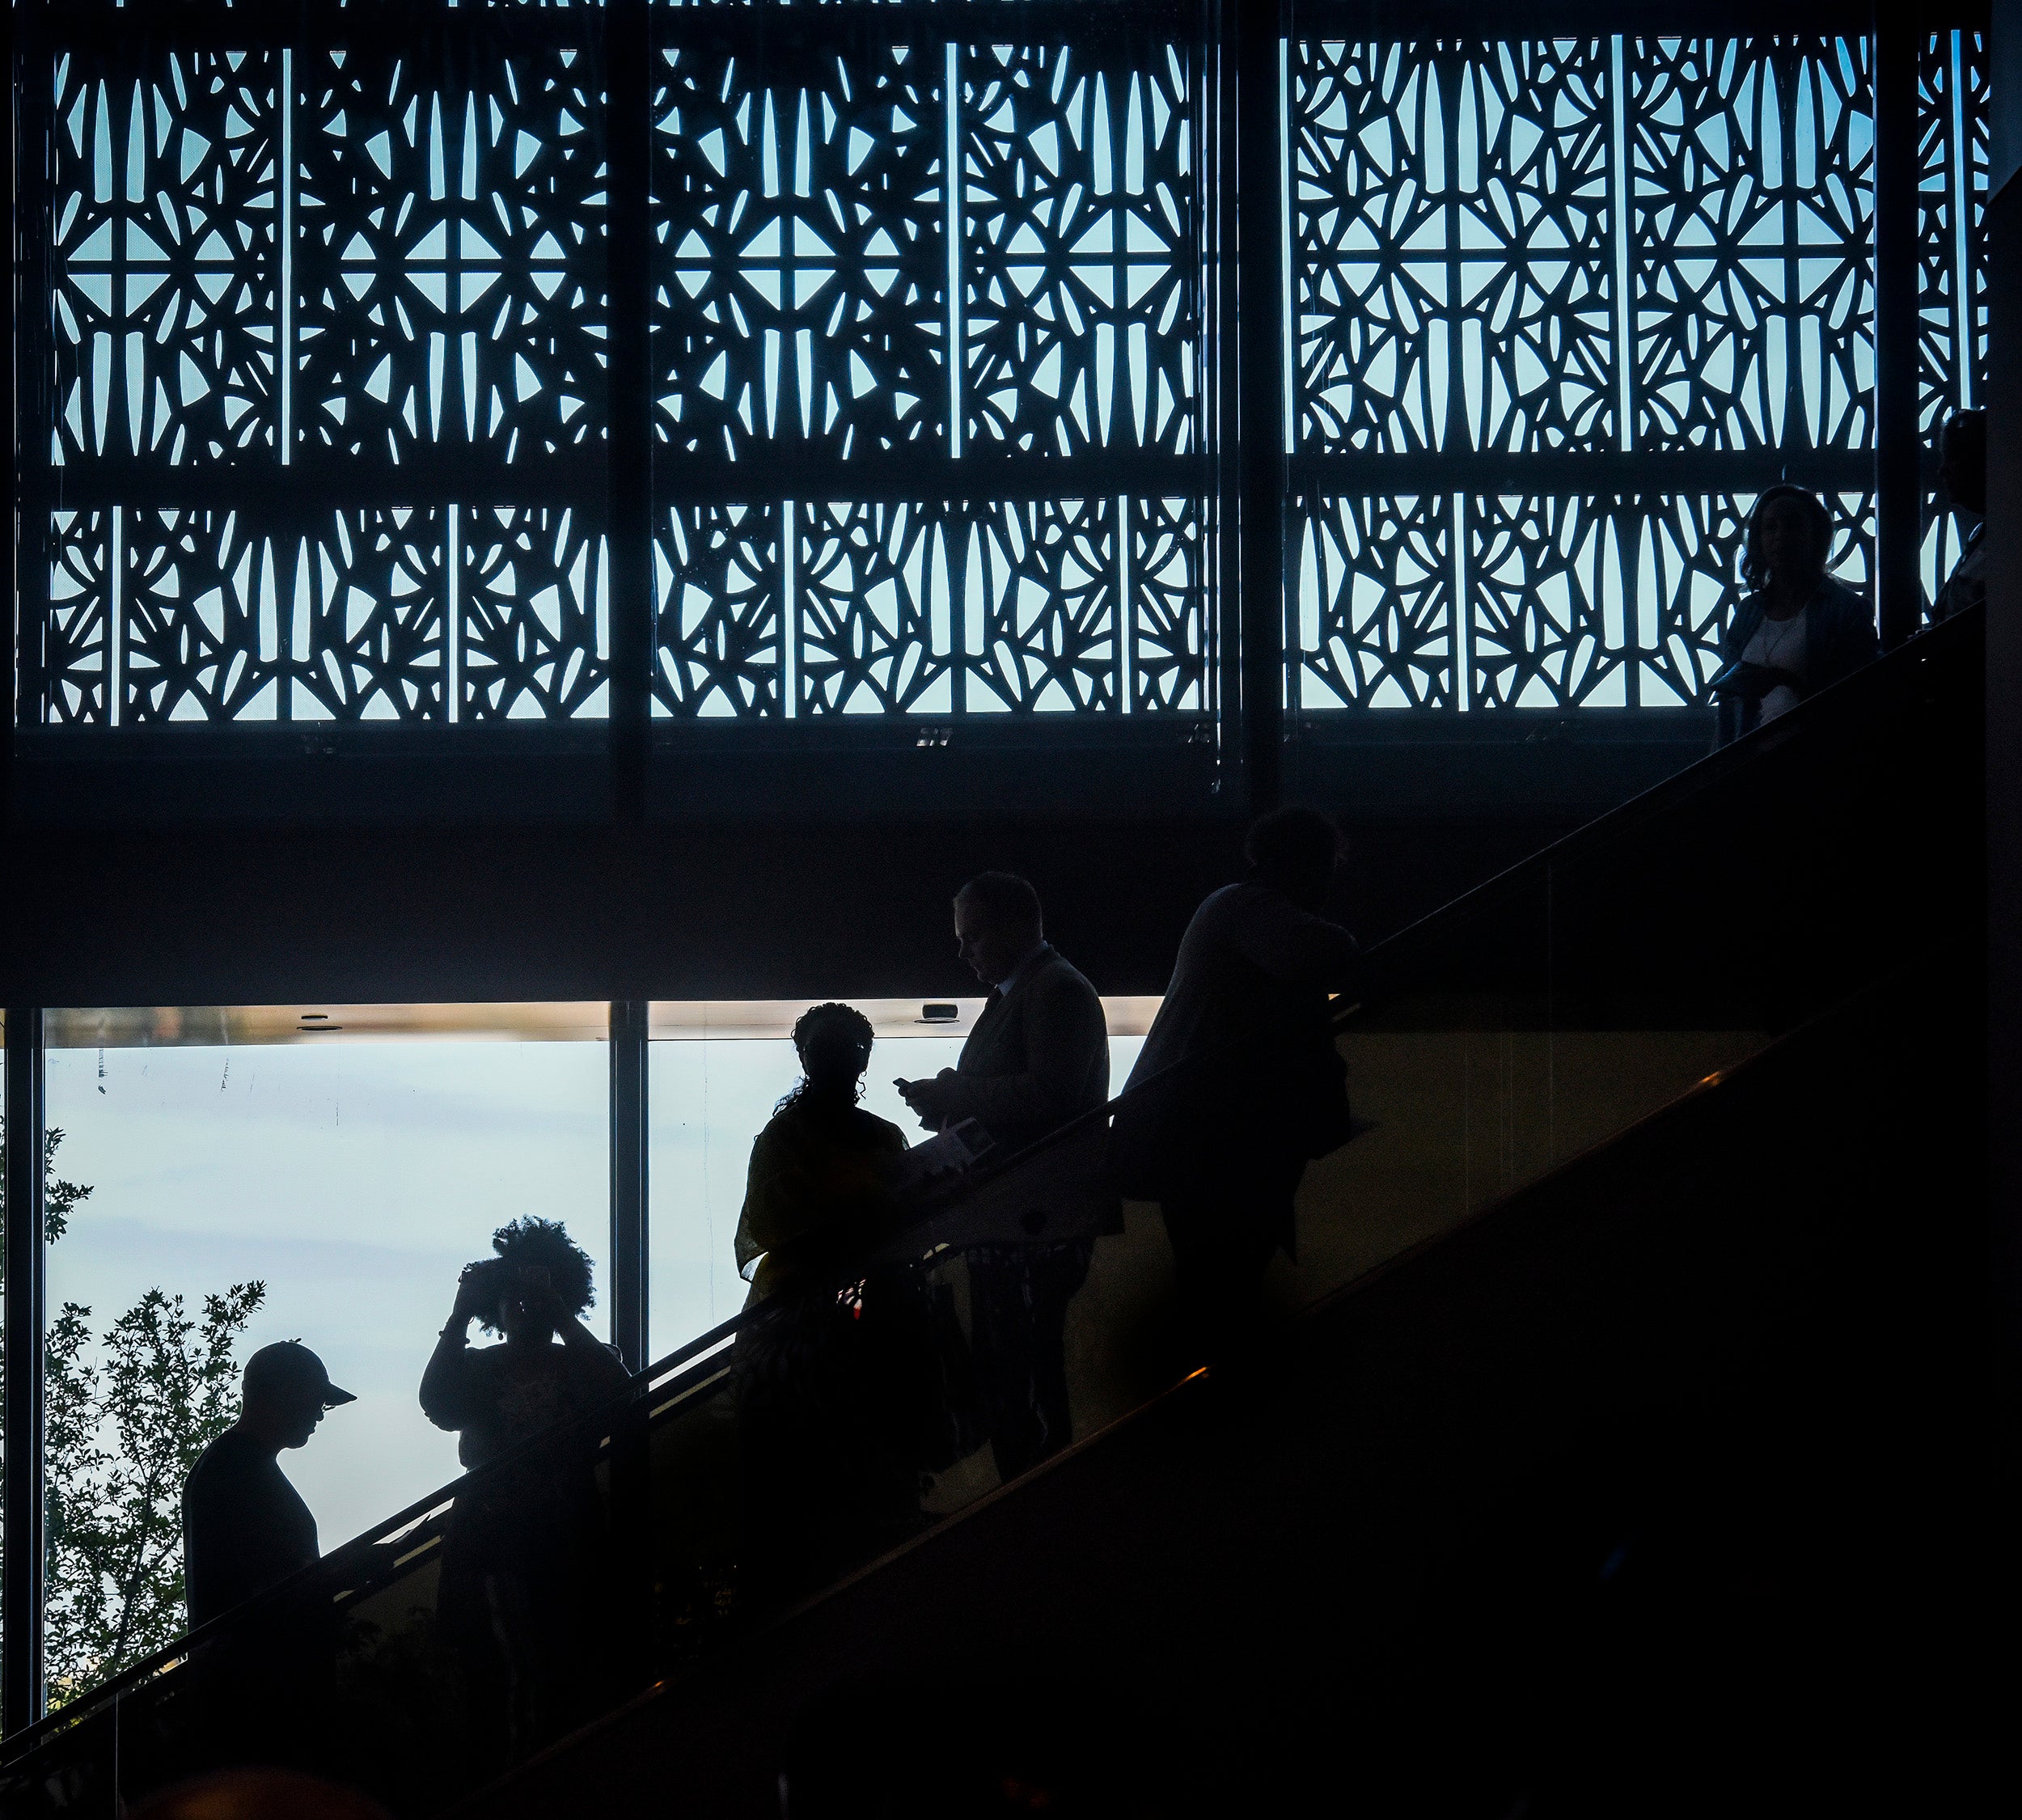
[2004,738]
[775,910]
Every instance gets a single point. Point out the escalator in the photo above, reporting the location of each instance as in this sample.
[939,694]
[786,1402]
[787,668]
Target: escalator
[1544,1473]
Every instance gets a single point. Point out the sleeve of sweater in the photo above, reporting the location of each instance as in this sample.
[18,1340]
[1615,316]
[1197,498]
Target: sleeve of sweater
[1065,1030]
[451,1391]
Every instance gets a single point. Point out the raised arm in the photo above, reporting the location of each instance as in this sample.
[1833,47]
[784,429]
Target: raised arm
[446,1383]
[603,1370]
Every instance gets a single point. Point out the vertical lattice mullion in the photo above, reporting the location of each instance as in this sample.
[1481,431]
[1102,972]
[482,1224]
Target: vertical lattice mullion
[1294,663]
[115,608]
[1893,255]
[284,282]
[1959,182]
[1447,78]
[790,670]
[31,71]
[1261,604]
[1462,642]
[628,437]
[952,167]
[1621,175]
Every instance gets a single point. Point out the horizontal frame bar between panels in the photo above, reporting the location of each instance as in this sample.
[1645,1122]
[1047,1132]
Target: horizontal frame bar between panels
[1416,21]
[306,487]
[311,488]
[313,25]
[1603,471]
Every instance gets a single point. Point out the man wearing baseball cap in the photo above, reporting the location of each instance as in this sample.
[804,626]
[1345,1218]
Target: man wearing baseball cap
[245,1528]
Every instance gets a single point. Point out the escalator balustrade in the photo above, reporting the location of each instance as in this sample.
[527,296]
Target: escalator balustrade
[1523,1026]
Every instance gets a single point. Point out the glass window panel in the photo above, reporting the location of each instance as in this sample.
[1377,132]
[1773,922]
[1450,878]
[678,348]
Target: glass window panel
[351,1174]
[717,1072]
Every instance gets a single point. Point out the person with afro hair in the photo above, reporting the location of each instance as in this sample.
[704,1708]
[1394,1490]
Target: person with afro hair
[523,1566]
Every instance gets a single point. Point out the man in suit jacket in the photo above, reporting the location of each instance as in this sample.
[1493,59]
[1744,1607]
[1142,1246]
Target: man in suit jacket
[1037,1057]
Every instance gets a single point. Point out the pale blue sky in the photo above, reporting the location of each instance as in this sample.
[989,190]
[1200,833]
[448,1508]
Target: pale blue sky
[356,1179]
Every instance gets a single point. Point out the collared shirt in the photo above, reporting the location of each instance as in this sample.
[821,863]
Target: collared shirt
[1027,961]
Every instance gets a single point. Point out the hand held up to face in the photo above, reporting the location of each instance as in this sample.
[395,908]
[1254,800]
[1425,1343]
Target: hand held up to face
[476,1287]
[538,1307]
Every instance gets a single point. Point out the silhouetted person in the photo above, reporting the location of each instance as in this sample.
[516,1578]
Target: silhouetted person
[1222,1145]
[523,1560]
[1962,472]
[1038,1056]
[825,1481]
[1798,630]
[245,1528]
[818,1182]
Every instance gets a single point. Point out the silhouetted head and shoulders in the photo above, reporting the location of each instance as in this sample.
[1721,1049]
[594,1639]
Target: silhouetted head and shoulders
[245,1527]
[1798,628]
[1039,1054]
[1962,472]
[1260,955]
[533,1292]
[818,1173]
[833,1043]
[1000,934]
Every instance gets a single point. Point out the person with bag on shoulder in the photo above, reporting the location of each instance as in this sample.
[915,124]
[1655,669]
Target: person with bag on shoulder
[1257,1088]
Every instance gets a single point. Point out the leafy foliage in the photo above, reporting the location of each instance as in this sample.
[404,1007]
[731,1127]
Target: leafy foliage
[126,1414]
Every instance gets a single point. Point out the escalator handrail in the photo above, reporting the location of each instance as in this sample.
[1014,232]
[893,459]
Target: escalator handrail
[1948,640]
[1938,642]
[650,1384]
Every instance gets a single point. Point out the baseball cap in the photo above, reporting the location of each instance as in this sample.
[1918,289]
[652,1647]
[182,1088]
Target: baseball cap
[289,1365]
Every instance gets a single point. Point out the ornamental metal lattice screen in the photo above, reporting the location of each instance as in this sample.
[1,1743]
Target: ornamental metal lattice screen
[327,414]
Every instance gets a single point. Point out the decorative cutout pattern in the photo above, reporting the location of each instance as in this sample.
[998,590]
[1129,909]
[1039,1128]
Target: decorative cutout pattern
[452,262]
[800,265]
[1753,166]
[1081,250]
[718,582]
[165,171]
[398,257]
[1953,160]
[1042,616]
[1370,585]
[1953,155]
[228,620]
[1547,590]
[1166,664]
[1453,245]
[877,608]
[77,639]
[1616,602]
[536,607]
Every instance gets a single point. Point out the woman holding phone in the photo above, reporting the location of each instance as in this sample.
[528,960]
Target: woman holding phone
[523,1558]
